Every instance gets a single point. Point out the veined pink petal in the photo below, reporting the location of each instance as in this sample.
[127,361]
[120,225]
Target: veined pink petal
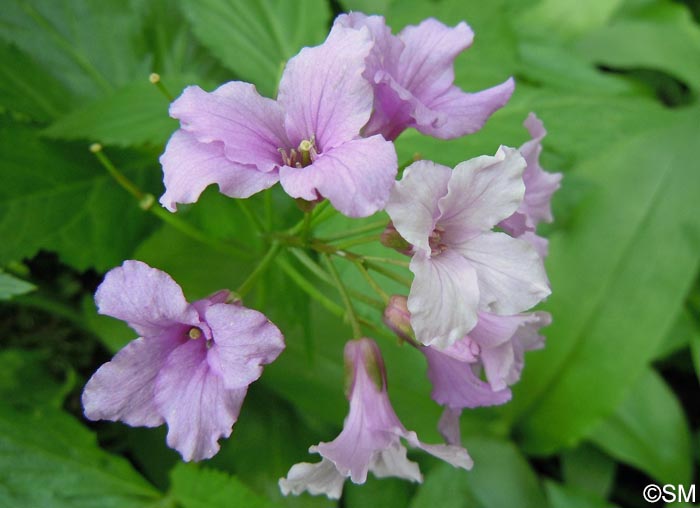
[443,298]
[194,402]
[323,91]
[251,127]
[189,167]
[244,341]
[448,425]
[355,176]
[148,299]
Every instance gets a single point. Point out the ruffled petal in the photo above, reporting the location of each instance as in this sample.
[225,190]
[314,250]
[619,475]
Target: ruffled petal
[448,426]
[356,176]
[454,455]
[251,127]
[443,299]
[456,386]
[463,113]
[413,203]
[323,91]
[511,274]
[319,478]
[189,167]
[194,402]
[149,300]
[123,389]
[244,341]
[499,364]
[482,192]
[392,461]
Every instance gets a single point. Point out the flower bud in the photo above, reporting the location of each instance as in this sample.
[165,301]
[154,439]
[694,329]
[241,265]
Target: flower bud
[392,239]
[398,318]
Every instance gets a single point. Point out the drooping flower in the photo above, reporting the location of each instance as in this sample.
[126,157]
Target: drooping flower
[413,75]
[191,366]
[308,139]
[460,265]
[539,187]
[371,437]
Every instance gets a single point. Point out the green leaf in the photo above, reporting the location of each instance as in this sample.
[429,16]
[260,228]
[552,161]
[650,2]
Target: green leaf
[617,284]
[384,492]
[135,114]
[501,477]
[75,41]
[48,459]
[367,6]
[679,336]
[566,18]
[59,198]
[195,487]
[589,470]
[649,431]
[663,36]
[563,496]
[695,350]
[12,286]
[254,38]
[26,382]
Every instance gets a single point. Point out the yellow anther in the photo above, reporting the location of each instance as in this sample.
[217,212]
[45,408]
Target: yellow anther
[154,78]
[194,333]
[95,147]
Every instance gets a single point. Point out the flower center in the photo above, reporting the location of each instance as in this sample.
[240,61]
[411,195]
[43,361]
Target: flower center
[435,241]
[301,156]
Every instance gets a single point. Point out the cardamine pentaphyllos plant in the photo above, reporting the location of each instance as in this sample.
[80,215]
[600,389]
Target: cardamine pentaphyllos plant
[327,138]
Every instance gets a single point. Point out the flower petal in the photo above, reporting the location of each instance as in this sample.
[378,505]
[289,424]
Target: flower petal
[323,91]
[392,461]
[190,166]
[448,425]
[413,203]
[194,402]
[149,300]
[511,273]
[452,454]
[482,192]
[123,389]
[319,478]
[356,176]
[250,126]
[244,341]
[443,299]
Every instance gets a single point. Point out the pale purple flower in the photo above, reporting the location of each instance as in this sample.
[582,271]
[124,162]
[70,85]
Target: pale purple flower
[495,348]
[539,187]
[413,78]
[460,265]
[191,365]
[371,437]
[308,139]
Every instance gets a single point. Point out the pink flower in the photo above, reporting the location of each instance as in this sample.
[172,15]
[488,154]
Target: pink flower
[191,365]
[460,265]
[308,139]
[371,436]
[413,74]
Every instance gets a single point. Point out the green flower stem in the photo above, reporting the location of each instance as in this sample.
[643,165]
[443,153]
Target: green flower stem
[248,284]
[306,227]
[154,78]
[342,235]
[245,209]
[373,283]
[390,274]
[390,261]
[147,203]
[354,322]
[358,241]
[322,213]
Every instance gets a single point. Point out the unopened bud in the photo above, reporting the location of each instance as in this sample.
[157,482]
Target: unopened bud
[398,318]
[392,239]
[363,354]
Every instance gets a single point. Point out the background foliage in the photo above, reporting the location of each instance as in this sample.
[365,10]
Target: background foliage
[610,405]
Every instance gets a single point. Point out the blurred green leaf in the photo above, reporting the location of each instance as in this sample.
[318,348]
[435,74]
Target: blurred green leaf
[113,333]
[695,350]
[195,487]
[254,38]
[663,36]
[679,336]
[26,382]
[135,114]
[384,492]
[563,496]
[649,431]
[48,459]
[589,470]
[501,477]
[59,198]
[566,18]
[12,286]
[620,272]
[367,6]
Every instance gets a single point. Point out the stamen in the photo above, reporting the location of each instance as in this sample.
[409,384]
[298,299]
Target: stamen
[194,333]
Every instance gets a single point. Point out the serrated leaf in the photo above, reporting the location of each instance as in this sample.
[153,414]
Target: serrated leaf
[254,38]
[12,286]
[196,487]
[650,432]
[617,284]
[49,459]
[135,114]
[59,198]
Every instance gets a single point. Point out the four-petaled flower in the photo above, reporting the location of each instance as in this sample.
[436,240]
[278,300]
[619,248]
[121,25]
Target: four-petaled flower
[191,365]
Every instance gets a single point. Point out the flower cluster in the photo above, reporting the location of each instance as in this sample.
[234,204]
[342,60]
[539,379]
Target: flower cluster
[476,258]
